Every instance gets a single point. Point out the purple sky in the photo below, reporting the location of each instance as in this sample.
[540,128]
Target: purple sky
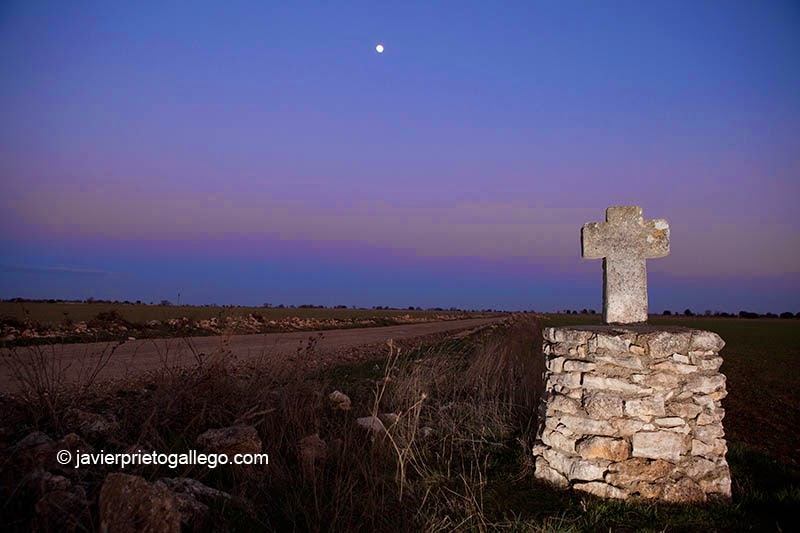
[251,152]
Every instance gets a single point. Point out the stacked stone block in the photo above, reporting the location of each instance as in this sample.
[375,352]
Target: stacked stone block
[633,411]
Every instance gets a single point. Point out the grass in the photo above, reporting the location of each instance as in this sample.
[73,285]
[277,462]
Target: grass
[472,473]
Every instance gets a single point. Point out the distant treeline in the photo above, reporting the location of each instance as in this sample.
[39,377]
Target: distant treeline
[265,305]
[686,312]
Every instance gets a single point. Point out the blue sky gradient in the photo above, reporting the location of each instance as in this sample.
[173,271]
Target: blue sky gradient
[250,152]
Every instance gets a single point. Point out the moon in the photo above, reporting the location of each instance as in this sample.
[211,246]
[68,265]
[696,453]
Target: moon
[379,48]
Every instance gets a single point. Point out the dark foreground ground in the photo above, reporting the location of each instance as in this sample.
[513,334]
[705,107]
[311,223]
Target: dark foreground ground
[458,417]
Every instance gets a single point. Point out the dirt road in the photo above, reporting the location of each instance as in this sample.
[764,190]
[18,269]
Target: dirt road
[74,362]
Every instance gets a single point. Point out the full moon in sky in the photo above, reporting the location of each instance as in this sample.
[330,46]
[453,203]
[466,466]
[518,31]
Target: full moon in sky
[379,48]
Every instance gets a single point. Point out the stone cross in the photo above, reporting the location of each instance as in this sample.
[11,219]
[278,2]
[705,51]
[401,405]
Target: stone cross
[623,242]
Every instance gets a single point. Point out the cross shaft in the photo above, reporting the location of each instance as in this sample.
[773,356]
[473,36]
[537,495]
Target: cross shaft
[624,241]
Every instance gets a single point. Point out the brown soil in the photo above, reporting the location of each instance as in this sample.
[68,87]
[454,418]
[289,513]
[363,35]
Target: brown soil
[136,358]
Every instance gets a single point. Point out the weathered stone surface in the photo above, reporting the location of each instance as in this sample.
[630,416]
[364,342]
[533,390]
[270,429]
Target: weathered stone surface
[230,440]
[372,423]
[685,369]
[649,490]
[581,425]
[340,400]
[710,364]
[603,448]
[645,407]
[719,483]
[632,362]
[601,405]
[561,462]
[588,470]
[709,433]
[706,340]
[556,364]
[129,504]
[578,366]
[659,445]
[627,426]
[697,467]
[193,499]
[669,421]
[683,491]
[545,472]
[614,344]
[706,384]
[90,425]
[563,404]
[603,490]
[637,350]
[687,411]
[663,344]
[645,419]
[710,416]
[661,381]
[569,380]
[715,448]
[683,359]
[611,384]
[558,440]
[564,335]
[624,241]
[635,470]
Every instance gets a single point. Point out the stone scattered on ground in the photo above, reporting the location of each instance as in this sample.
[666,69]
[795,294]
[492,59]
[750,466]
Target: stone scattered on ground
[37,450]
[426,431]
[340,400]
[389,419]
[90,425]
[312,451]
[230,440]
[192,499]
[372,423]
[115,326]
[129,504]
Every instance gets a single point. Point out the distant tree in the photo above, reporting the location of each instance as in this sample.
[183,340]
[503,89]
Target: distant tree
[165,303]
[771,315]
[90,300]
[584,311]
[267,305]
[667,313]
[688,312]
[138,302]
[592,312]
[747,314]
[787,314]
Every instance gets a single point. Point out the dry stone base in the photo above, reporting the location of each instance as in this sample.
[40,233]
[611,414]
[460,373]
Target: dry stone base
[633,412]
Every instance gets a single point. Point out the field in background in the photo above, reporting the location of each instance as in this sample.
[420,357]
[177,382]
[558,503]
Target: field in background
[56,312]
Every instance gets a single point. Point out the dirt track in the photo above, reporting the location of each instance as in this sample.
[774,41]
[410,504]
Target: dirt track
[134,358]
